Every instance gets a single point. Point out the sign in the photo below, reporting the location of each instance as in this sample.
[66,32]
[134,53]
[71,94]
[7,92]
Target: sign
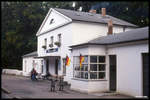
[52,50]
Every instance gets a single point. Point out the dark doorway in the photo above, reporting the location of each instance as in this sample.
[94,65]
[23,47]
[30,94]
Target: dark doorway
[56,66]
[145,61]
[47,66]
[112,70]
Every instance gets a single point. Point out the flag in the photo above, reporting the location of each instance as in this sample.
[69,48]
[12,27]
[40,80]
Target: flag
[67,61]
[81,60]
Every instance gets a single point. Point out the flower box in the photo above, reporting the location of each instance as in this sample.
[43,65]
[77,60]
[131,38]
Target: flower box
[44,46]
[51,45]
[58,44]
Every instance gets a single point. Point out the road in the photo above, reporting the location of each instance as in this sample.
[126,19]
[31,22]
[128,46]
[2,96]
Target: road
[23,87]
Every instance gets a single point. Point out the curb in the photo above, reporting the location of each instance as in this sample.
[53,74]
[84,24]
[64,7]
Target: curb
[8,92]
[5,90]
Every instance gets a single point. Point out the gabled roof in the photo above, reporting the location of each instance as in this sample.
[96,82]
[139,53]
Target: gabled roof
[32,54]
[128,36]
[89,17]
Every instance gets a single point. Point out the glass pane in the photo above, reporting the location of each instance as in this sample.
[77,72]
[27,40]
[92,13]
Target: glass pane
[101,59]
[82,74]
[101,67]
[77,74]
[93,59]
[93,67]
[101,75]
[76,60]
[76,67]
[82,68]
[85,60]
[93,75]
[85,67]
[86,75]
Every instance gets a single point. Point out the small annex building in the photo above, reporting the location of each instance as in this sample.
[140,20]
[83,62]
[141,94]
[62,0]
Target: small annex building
[118,62]
[29,62]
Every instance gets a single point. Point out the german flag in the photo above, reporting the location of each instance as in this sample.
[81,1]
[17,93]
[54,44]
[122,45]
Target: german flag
[67,61]
[81,60]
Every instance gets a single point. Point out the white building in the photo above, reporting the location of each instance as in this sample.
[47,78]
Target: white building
[116,62]
[71,28]
[64,28]
[29,62]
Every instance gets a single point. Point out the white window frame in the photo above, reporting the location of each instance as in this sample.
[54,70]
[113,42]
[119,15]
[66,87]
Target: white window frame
[89,71]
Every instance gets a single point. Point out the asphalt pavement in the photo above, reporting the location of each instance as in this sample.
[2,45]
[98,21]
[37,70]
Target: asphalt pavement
[24,87]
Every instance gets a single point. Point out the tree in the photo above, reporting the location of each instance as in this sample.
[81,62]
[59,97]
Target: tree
[21,21]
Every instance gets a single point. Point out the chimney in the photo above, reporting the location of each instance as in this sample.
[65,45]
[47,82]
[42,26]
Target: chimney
[92,11]
[103,10]
[110,27]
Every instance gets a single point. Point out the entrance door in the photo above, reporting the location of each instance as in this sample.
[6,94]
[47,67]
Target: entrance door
[112,70]
[56,66]
[145,74]
[64,66]
[47,66]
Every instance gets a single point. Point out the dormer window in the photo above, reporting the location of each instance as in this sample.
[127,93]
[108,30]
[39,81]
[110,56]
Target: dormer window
[51,21]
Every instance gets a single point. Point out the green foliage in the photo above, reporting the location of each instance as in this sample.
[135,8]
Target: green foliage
[21,21]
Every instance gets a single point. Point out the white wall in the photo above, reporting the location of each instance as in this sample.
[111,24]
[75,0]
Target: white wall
[59,19]
[63,50]
[92,85]
[129,68]
[85,31]
[29,65]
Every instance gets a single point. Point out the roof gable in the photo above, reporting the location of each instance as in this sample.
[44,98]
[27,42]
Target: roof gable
[53,20]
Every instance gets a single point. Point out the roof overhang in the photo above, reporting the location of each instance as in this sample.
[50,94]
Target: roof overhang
[87,44]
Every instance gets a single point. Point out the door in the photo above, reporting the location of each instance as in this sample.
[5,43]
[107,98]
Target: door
[64,66]
[145,61]
[56,66]
[112,74]
[47,66]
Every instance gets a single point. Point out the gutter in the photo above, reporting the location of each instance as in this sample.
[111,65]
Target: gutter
[107,43]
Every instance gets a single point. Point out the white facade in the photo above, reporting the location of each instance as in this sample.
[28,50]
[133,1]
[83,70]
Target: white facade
[129,79]
[129,67]
[29,63]
[72,33]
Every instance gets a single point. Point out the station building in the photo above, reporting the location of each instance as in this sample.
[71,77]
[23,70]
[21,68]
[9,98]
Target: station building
[114,51]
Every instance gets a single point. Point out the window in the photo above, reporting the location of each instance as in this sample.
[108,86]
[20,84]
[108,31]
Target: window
[33,63]
[41,66]
[45,40]
[25,65]
[80,72]
[52,39]
[51,21]
[93,67]
[59,38]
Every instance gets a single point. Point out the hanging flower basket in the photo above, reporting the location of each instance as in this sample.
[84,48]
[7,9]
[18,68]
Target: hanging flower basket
[51,45]
[44,46]
[58,43]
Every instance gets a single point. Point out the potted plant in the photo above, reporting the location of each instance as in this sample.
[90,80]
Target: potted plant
[51,45]
[57,43]
[44,46]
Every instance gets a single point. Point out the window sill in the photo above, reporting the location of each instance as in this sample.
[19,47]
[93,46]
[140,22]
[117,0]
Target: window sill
[88,79]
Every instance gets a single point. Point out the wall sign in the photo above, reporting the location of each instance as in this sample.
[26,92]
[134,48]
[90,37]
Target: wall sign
[52,50]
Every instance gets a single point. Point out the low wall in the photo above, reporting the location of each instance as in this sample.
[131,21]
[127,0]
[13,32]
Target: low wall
[12,71]
[89,86]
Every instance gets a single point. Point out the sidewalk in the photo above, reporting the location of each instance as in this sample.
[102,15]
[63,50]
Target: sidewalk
[23,87]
